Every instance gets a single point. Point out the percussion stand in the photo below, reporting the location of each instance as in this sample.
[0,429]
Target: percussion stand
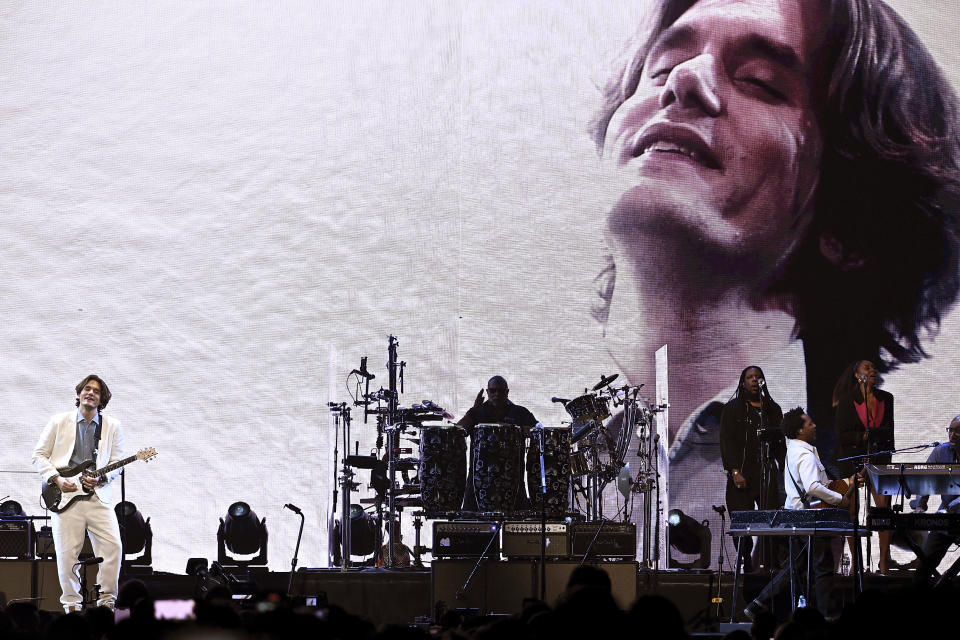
[543,516]
[593,480]
[346,485]
[393,437]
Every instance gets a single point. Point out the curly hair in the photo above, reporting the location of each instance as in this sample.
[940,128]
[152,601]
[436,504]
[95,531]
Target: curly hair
[105,394]
[792,422]
[888,191]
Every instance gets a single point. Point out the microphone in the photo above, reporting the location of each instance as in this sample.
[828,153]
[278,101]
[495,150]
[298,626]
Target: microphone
[362,371]
[719,509]
[293,508]
[560,400]
[90,561]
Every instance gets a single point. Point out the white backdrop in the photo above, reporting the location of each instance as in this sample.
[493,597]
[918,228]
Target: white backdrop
[220,206]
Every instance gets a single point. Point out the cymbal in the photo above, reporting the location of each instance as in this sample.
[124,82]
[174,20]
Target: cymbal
[604,381]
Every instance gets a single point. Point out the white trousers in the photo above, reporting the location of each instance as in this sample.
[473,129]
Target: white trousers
[91,515]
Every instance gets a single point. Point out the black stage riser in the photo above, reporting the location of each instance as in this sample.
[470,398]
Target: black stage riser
[397,597]
[37,579]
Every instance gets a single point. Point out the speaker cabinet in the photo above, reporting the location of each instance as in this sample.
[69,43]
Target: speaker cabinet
[46,549]
[500,587]
[496,587]
[16,538]
[16,580]
[623,579]
[37,580]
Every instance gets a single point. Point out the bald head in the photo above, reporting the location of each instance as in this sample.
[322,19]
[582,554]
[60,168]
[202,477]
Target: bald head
[497,391]
[953,431]
[498,382]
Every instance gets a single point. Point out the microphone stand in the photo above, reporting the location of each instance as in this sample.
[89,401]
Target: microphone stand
[719,599]
[483,556]
[866,432]
[335,408]
[296,552]
[762,542]
[123,524]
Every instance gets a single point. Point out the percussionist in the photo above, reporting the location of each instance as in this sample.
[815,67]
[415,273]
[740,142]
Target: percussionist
[497,408]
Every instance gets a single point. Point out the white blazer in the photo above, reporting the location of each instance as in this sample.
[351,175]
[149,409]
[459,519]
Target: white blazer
[55,447]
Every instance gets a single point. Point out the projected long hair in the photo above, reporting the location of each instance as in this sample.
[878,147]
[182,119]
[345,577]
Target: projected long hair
[889,191]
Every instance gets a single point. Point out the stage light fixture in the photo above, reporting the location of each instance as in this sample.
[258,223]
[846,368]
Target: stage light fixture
[690,537]
[363,535]
[11,508]
[136,534]
[243,534]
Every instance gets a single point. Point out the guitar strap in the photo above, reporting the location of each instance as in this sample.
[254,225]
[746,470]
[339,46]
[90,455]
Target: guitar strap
[804,500]
[96,437]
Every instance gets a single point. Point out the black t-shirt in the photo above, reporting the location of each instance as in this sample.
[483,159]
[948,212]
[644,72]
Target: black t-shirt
[487,413]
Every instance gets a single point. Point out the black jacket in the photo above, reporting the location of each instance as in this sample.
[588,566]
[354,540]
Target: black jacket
[739,444]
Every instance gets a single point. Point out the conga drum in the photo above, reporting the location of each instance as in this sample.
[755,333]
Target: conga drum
[443,469]
[556,460]
[497,466]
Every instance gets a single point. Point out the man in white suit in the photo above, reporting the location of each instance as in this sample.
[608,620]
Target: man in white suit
[69,439]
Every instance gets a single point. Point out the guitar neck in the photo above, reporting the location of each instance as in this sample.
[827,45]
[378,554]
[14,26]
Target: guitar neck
[116,465]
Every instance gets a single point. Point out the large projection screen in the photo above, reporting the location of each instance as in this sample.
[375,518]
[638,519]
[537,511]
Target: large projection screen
[219,207]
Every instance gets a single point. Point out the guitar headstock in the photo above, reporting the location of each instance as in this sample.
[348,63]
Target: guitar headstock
[147,453]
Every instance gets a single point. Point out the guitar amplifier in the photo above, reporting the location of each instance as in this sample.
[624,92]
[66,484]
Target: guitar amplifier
[522,540]
[465,539]
[16,537]
[615,540]
[46,549]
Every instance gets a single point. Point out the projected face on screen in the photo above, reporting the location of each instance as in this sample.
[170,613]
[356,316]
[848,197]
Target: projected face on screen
[783,191]
[719,143]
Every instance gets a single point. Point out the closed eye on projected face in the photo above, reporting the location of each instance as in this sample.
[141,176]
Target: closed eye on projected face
[720,135]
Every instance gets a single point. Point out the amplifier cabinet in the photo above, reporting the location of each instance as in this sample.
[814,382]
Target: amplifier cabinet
[16,538]
[46,549]
[615,540]
[623,579]
[522,540]
[466,539]
[496,587]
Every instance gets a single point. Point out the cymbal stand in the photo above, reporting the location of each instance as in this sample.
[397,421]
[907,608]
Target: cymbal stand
[593,490]
[393,437]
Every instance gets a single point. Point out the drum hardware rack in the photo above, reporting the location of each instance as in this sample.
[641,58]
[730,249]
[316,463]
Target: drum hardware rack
[588,412]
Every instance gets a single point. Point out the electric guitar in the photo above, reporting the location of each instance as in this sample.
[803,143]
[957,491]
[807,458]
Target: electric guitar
[57,500]
[842,487]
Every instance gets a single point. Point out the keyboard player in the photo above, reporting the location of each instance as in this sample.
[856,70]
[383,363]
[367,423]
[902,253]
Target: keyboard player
[938,542]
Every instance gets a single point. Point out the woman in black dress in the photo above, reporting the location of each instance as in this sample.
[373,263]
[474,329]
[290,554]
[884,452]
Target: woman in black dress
[864,425]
